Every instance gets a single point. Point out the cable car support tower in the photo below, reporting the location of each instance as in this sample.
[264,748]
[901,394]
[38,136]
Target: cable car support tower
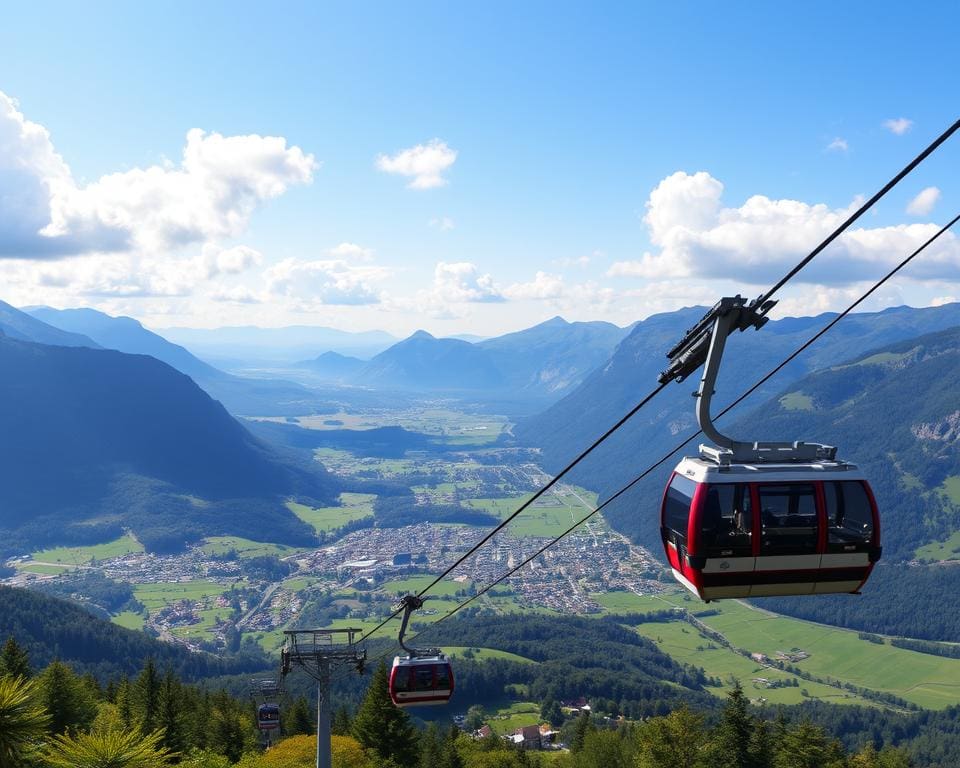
[316,651]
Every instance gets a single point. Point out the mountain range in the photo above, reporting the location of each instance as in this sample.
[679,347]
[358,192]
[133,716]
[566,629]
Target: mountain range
[538,364]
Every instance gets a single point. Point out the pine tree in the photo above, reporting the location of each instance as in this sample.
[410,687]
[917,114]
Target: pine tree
[807,746]
[124,703]
[761,748]
[299,719]
[170,714]
[450,757]
[66,698]
[382,727]
[430,747]
[14,660]
[674,741]
[731,738]
[583,726]
[146,698]
[342,725]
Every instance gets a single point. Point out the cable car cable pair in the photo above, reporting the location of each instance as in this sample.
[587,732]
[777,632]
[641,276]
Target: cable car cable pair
[753,388]
[764,299]
[757,305]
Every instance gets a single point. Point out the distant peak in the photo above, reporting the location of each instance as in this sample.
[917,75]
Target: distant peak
[556,320]
[421,335]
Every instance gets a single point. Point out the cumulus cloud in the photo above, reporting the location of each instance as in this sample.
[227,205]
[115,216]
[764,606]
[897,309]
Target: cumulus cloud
[758,242]
[312,284]
[838,145]
[425,163]
[543,286]
[923,203]
[215,260]
[211,194]
[462,282]
[351,251]
[899,126]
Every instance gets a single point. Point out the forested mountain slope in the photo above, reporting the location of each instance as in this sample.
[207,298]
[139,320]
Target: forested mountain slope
[570,425]
[96,440]
[49,628]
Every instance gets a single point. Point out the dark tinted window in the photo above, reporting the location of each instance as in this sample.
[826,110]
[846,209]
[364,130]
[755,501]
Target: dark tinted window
[402,681]
[726,521]
[443,676]
[788,517]
[849,516]
[424,678]
[677,504]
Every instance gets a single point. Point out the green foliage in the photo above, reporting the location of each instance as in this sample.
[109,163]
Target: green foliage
[68,699]
[299,719]
[382,727]
[14,660]
[23,719]
[107,749]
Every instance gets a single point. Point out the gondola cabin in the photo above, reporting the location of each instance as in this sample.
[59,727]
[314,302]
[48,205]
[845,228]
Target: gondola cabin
[421,681]
[752,530]
[268,717]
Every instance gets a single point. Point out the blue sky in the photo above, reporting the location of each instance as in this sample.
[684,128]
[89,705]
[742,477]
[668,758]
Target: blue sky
[544,131]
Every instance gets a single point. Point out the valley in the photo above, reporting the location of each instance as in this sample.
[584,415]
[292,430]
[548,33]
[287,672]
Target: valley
[226,591]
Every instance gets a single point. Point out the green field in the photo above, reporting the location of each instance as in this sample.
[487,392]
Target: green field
[796,401]
[154,596]
[83,555]
[684,643]
[446,588]
[549,516]
[929,681]
[941,550]
[951,488]
[628,602]
[507,719]
[482,654]
[218,545]
[355,506]
[128,619]
[44,570]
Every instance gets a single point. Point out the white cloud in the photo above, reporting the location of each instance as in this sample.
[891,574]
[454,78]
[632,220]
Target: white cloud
[939,301]
[899,126]
[312,284]
[758,242]
[351,251]
[543,286]
[426,163]
[210,195]
[923,203]
[235,295]
[443,223]
[462,282]
[215,260]
[838,145]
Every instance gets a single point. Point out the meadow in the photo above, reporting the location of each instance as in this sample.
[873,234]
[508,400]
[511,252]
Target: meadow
[74,556]
[354,506]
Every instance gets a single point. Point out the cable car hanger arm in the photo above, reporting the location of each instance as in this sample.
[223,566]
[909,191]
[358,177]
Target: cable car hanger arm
[704,344]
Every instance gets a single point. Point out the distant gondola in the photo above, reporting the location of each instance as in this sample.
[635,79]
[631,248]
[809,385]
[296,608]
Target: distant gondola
[416,681]
[422,677]
[268,717]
